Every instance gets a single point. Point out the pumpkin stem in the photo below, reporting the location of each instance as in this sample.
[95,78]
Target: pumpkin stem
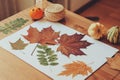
[98,31]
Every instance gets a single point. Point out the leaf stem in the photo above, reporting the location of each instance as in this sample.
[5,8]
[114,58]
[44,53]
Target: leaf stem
[34,49]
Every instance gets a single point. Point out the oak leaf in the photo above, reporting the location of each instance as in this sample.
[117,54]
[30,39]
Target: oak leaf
[71,44]
[76,68]
[18,45]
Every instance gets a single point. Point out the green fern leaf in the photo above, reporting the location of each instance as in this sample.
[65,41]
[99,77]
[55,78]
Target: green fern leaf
[46,56]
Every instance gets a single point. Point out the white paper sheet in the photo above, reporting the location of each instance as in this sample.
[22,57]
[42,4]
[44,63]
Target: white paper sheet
[96,53]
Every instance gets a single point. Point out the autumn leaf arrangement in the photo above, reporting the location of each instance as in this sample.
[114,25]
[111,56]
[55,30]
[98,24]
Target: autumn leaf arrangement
[68,44]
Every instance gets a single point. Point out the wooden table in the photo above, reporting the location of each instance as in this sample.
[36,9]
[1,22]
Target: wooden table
[12,68]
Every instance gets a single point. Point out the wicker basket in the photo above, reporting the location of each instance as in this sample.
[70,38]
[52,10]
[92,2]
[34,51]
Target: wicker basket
[54,12]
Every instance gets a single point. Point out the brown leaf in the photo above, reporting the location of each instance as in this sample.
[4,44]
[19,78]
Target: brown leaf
[114,62]
[75,69]
[48,36]
[45,36]
[18,45]
[71,44]
[33,35]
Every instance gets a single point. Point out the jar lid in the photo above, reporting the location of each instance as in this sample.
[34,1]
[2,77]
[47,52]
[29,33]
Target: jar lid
[55,8]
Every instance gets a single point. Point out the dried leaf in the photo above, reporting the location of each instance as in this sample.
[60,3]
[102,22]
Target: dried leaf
[46,56]
[48,36]
[12,25]
[33,35]
[76,68]
[114,62]
[71,44]
[18,45]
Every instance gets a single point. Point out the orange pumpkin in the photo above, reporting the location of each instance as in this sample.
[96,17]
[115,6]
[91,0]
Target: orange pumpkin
[36,13]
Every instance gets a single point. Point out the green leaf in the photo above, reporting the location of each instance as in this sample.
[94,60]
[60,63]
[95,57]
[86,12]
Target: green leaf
[18,45]
[42,59]
[6,31]
[54,63]
[41,55]
[42,52]
[52,58]
[46,56]
[42,47]
[39,46]
[48,49]
[44,63]
[2,28]
[12,25]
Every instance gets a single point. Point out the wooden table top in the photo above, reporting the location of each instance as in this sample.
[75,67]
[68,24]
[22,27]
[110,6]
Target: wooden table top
[12,68]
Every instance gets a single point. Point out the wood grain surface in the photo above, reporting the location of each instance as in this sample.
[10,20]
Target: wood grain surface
[12,68]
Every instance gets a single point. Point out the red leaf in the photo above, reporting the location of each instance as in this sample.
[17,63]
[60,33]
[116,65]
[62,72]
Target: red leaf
[71,44]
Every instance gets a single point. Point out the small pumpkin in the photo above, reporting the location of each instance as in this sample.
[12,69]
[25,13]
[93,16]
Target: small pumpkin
[36,13]
[113,34]
[96,30]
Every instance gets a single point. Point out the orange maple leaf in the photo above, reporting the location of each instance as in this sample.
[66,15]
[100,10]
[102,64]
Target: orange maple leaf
[33,35]
[48,36]
[71,44]
[45,36]
[75,69]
